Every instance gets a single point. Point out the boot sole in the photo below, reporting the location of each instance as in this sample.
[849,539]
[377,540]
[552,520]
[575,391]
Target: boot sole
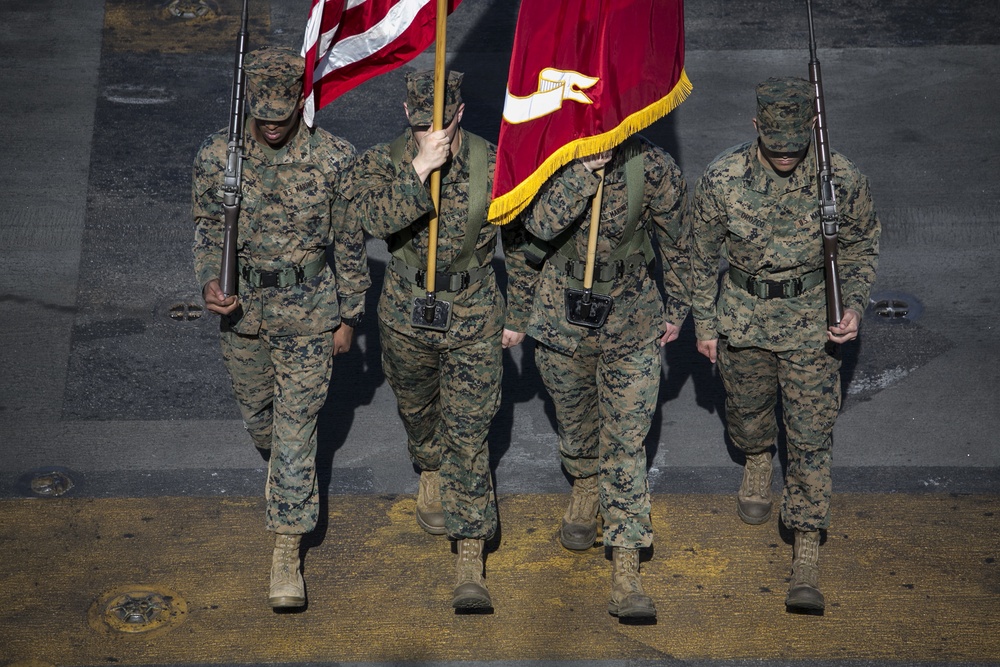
[638,612]
[805,599]
[286,602]
[474,603]
[428,528]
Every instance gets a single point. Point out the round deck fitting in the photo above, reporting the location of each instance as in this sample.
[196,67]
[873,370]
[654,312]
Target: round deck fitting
[137,609]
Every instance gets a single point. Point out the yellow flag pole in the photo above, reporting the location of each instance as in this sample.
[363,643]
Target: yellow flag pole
[440,34]
[583,307]
[595,220]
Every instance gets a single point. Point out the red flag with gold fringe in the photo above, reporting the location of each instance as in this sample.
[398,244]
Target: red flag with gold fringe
[584,76]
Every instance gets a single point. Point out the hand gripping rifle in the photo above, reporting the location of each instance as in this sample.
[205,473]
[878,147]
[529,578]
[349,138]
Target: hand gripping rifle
[232,193]
[827,198]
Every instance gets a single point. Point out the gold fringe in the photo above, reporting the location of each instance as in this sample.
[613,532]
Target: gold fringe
[505,208]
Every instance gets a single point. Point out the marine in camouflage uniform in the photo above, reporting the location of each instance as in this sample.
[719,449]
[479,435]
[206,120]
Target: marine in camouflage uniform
[605,381]
[293,312]
[757,207]
[446,383]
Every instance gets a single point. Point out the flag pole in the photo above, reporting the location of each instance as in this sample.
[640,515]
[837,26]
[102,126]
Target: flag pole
[440,34]
[595,221]
[583,307]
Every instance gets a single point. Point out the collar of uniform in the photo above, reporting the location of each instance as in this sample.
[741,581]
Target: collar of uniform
[759,178]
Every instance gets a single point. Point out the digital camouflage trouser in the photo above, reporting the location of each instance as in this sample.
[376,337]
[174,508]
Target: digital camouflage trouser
[604,411]
[447,397]
[810,389]
[280,383]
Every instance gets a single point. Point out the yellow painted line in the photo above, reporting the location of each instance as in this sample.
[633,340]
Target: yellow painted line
[906,578]
[183,26]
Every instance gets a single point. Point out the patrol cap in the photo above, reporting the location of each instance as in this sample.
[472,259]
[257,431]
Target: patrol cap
[785,114]
[274,82]
[420,96]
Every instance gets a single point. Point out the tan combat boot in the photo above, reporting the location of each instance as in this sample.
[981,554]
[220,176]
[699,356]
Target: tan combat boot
[753,501]
[430,514]
[627,597]
[803,589]
[579,525]
[287,587]
[470,585]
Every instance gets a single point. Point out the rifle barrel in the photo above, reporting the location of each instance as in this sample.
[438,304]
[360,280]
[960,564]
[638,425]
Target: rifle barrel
[233,177]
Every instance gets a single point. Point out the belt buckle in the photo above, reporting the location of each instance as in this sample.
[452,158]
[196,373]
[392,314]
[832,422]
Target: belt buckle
[268,278]
[762,289]
[793,287]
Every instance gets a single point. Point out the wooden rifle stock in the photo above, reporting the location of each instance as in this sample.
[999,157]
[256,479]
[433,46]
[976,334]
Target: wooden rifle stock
[232,194]
[827,196]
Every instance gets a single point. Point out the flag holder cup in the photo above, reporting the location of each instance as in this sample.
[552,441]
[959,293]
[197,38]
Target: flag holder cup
[584,308]
[430,313]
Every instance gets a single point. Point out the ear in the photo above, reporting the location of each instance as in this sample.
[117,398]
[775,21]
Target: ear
[754,121]
[458,114]
[406,110]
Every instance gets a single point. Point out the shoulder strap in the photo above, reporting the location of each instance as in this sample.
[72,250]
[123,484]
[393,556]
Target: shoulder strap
[478,177]
[635,183]
[400,243]
[397,147]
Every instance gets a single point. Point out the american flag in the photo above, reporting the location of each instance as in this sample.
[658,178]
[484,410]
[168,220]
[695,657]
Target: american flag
[348,42]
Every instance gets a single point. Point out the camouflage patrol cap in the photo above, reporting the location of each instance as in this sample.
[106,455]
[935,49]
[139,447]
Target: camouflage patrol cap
[785,114]
[274,82]
[420,96]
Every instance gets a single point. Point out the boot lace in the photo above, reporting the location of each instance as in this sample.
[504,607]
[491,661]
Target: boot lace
[470,566]
[757,482]
[583,502]
[805,566]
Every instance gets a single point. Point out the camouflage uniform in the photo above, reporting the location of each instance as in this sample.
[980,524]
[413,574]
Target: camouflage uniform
[447,384]
[605,382]
[278,345]
[766,224]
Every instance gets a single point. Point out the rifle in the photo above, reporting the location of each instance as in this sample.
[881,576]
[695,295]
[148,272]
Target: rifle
[232,193]
[827,199]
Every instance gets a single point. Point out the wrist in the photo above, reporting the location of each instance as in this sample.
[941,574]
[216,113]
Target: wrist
[352,322]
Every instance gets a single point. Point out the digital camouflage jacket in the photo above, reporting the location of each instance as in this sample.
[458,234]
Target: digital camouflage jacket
[769,227]
[291,213]
[561,215]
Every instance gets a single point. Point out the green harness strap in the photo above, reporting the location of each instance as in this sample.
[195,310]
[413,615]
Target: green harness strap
[401,243]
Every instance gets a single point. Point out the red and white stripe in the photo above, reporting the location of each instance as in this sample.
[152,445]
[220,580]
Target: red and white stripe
[348,42]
